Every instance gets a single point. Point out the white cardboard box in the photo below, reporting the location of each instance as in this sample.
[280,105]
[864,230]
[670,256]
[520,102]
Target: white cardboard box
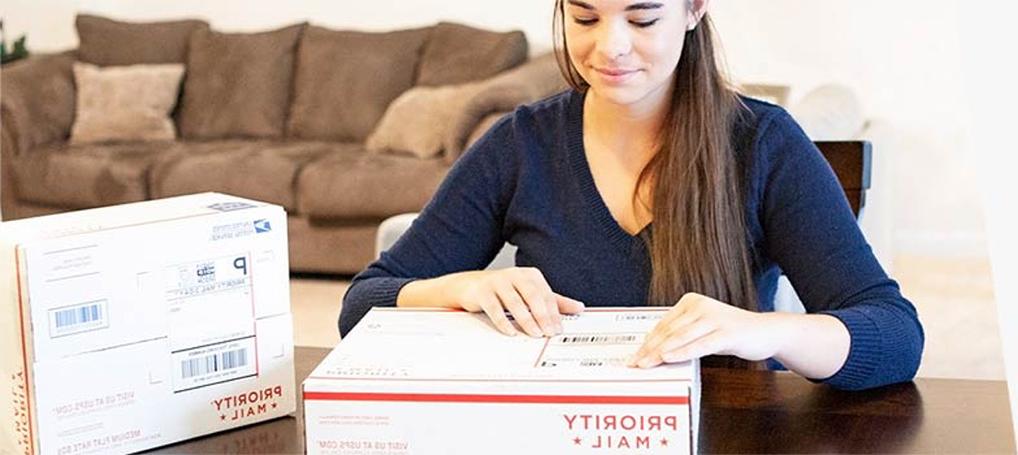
[433,381]
[130,327]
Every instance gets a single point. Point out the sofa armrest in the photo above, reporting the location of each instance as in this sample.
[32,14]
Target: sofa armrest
[37,99]
[539,77]
[483,126]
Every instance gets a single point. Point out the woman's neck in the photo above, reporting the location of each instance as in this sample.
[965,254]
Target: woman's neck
[630,130]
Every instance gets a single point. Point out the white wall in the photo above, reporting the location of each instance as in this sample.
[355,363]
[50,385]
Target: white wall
[991,140]
[901,56]
[50,23]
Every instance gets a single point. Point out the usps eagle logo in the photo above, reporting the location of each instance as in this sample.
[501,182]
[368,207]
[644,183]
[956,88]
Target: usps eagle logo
[262,226]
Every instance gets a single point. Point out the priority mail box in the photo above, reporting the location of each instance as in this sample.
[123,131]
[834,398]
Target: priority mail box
[130,327]
[408,381]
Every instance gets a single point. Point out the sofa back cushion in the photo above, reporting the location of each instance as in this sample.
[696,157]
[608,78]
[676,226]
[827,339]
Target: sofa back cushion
[345,80]
[238,84]
[106,42]
[458,53]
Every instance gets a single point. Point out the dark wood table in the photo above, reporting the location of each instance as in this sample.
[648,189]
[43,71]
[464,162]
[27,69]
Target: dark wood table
[762,412]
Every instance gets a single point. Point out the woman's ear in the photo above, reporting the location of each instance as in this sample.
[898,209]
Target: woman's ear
[695,10]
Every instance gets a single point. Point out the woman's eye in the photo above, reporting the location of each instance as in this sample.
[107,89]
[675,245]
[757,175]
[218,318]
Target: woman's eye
[643,24]
[584,21]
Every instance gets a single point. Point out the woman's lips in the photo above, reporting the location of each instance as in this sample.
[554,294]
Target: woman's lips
[615,76]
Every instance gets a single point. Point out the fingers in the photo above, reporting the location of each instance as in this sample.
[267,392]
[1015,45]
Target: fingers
[550,301]
[526,295]
[493,308]
[685,304]
[663,332]
[512,301]
[707,342]
[691,334]
[712,343]
[667,324]
[567,305]
[539,298]
[698,326]
[684,312]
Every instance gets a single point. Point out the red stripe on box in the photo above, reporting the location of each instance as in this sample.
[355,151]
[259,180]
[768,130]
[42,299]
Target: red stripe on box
[24,352]
[254,313]
[547,341]
[454,398]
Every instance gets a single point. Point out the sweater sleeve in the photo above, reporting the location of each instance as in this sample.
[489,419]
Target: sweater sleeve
[812,234]
[458,230]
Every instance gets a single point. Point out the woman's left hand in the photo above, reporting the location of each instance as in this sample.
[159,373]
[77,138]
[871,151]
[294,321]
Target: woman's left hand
[699,326]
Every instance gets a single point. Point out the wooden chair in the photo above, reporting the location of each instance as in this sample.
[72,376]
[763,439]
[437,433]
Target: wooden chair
[852,163]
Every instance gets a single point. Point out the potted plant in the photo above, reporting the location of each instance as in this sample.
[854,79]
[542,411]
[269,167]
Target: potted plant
[16,51]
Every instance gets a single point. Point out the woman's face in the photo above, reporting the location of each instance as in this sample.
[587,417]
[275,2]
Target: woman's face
[627,50]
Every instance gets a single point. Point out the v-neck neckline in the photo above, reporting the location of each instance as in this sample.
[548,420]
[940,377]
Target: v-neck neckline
[585,177]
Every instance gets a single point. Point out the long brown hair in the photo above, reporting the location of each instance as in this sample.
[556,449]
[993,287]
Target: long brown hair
[700,240]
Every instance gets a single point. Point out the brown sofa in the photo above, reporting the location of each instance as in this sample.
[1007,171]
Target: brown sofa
[303,149]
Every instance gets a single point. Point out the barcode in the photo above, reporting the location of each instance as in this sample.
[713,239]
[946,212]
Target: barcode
[77,316]
[640,317]
[565,317]
[213,363]
[582,362]
[599,339]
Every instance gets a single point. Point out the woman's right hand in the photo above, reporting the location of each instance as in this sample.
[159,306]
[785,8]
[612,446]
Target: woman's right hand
[522,291]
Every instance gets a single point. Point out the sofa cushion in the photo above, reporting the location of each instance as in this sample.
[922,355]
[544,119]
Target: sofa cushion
[107,42]
[86,176]
[349,184]
[37,102]
[417,121]
[457,53]
[238,84]
[125,103]
[345,79]
[260,170]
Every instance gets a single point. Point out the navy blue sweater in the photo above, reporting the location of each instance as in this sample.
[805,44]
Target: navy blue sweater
[527,182]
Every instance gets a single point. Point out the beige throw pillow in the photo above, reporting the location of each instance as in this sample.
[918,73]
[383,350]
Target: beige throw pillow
[426,121]
[125,103]
[417,121]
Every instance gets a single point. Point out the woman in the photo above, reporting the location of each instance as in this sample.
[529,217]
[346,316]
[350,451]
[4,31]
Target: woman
[652,182]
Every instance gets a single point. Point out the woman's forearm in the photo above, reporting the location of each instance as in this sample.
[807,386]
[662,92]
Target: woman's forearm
[432,293]
[813,345]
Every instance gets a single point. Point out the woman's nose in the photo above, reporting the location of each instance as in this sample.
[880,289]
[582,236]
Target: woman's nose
[613,40]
